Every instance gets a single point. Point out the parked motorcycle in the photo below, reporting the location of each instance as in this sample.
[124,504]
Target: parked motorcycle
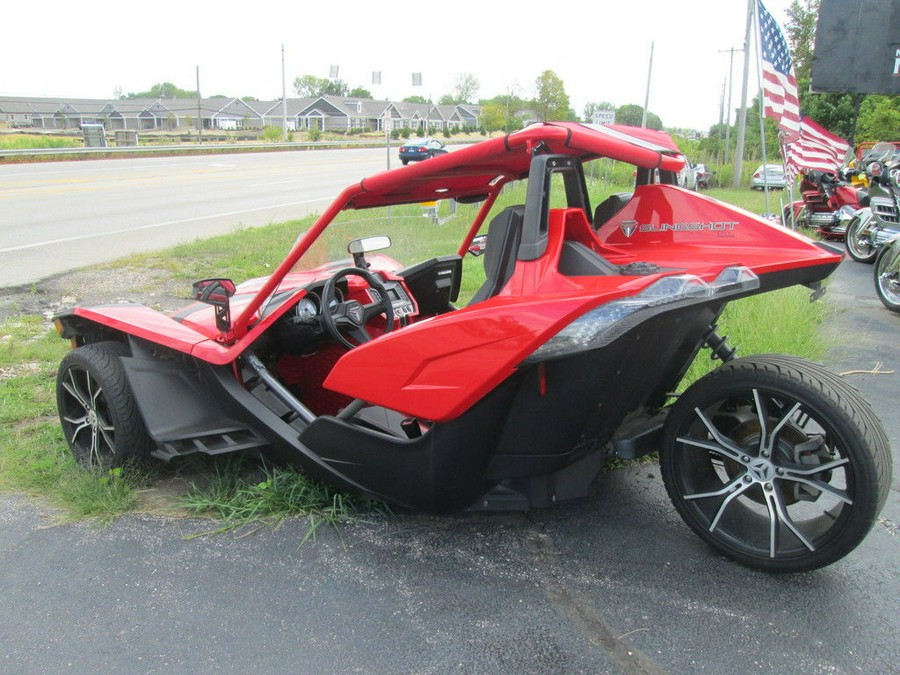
[879,219]
[703,177]
[828,205]
[887,274]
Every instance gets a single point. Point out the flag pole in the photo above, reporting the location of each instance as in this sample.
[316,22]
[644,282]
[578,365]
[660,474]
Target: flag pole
[762,104]
[791,176]
[742,115]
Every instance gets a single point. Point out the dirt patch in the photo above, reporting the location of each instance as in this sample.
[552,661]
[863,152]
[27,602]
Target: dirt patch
[94,286]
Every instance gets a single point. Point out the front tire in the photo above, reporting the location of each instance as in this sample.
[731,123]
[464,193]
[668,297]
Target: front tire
[776,463]
[859,247]
[887,276]
[99,417]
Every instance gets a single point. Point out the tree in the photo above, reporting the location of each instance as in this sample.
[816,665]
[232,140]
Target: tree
[502,113]
[415,99]
[879,119]
[493,116]
[310,86]
[164,90]
[633,115]
[801,32]
[360,92]
[552,101]
[466,88]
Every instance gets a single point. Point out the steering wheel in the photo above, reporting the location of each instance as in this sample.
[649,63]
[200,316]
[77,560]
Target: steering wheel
[351,316]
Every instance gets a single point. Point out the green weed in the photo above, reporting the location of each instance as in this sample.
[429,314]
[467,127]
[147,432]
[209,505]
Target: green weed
[237,497]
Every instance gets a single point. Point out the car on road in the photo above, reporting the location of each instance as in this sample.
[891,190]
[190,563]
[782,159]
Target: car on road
[771,175]
[419,149]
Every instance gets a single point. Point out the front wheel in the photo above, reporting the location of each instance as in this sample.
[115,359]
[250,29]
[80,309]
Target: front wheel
[97,411]
[859,244]
[887,275]
[776,463]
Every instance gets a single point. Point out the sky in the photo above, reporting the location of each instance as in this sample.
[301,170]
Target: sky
[600,50]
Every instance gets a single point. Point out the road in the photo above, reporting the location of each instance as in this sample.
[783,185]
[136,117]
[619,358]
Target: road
[613,583]
[57,216]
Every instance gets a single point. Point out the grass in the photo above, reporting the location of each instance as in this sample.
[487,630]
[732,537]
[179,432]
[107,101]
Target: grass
[238,494]
[34,458]
[37,142]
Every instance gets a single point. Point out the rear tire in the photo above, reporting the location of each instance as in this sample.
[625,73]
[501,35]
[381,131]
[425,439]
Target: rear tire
[789,489]
[887,275]
[99,417]
[858,247]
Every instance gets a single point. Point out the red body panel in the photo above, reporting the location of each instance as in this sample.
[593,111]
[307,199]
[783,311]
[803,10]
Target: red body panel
[682,229]
[438,368]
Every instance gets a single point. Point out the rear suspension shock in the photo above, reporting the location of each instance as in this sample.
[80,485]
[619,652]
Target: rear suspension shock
[718,344]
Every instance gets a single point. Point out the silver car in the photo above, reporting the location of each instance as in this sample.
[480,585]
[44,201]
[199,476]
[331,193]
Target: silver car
[771,175]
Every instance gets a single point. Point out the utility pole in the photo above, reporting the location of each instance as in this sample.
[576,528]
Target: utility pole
[199,111]
[731,52]
[722,103]
[283,99]
[647,95]
[742,115]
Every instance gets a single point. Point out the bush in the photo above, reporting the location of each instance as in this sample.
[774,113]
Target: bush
[314,134]
[406,132]
[447,133]
[272,134]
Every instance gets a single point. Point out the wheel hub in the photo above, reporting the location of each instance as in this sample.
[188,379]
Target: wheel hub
[761,470]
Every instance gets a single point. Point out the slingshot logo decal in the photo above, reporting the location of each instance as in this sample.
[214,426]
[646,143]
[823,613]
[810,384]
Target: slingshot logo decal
[355,312]
[628,227]
[719,226]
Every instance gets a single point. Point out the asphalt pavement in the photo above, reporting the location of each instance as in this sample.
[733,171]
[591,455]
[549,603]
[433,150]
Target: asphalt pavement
[614,583]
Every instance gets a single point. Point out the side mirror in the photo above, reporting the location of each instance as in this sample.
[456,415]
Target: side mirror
[478,245]
[216,292]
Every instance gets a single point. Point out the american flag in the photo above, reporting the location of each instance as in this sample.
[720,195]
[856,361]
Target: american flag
[816,148]
[779,85]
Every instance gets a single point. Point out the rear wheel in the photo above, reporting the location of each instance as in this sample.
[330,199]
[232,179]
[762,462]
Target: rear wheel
[786,217]
[887,276]
[859,245]
[776,463]
[97,411]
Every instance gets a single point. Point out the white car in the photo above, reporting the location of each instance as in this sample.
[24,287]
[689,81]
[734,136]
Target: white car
[687,177]
[771,175]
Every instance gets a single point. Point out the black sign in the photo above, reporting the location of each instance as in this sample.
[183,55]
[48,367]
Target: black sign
[857,48]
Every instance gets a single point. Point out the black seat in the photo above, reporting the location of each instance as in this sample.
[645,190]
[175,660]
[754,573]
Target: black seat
[501,250]
[610,207]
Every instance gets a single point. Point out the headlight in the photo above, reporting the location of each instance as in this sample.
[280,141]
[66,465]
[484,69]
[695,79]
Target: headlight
[601,325]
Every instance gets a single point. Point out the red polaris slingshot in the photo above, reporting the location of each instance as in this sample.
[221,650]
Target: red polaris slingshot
[441,379]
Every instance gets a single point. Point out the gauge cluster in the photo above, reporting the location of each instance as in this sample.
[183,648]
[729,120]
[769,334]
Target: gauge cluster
[308,309]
